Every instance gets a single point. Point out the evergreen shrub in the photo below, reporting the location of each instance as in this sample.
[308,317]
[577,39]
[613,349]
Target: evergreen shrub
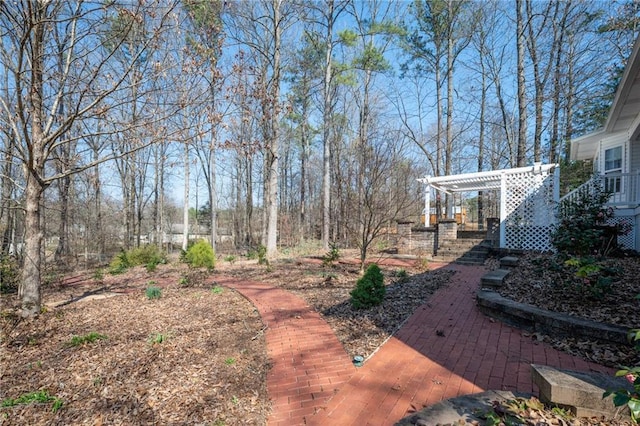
[369,289]
[200,255]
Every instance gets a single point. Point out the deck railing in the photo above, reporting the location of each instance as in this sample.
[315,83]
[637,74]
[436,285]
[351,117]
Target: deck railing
[623,187]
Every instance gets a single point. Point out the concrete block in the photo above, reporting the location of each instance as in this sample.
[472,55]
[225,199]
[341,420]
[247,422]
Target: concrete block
[580,392]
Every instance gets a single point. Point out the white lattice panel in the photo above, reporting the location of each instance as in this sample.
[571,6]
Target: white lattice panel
[529,210]
[625,241]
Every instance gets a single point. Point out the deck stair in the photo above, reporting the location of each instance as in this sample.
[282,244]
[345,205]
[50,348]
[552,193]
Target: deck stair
[468,249]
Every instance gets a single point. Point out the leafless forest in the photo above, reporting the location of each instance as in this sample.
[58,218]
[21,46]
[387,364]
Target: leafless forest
[124,122]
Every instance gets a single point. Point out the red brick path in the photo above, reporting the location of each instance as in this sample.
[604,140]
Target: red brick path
[447,348]
[308,362]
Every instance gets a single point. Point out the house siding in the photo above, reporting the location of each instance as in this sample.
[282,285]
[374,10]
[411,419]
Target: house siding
[634,149]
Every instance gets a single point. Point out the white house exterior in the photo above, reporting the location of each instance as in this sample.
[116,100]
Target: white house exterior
[615,151]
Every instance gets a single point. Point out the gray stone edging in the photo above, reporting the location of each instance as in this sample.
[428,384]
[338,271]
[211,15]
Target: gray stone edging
[531,318]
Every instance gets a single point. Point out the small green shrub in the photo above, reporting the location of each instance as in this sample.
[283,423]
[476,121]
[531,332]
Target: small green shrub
[157,338]
[583,227]
[146,255]
[401,273]
[149,255]
[120,263]
[262,255]
[9,274]
[217,290]
[41,397]
[98,274]
[51,278]
[152,292]
[252,254]
[230,258]
[332,255]
[259,253]
[201,255]
[422,263]
[591,278]
[87,338]
[623,396]
[230,361]
[370,289]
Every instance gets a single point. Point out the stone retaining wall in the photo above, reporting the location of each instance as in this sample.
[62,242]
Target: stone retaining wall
[416,240]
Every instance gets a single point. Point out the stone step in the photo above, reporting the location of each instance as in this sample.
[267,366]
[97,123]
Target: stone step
[580,392]
[493,279]
[466,261]
[461,246]
[456,256]
[478,235]
[508,262]
[464,242]
[472,257]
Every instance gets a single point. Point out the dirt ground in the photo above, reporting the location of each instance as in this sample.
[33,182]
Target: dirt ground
[102,352]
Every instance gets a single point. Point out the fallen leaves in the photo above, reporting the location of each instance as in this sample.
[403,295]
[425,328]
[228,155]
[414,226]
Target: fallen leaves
[125,379]
[540,281]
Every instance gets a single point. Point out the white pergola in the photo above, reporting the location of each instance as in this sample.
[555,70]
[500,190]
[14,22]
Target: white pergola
[526,194]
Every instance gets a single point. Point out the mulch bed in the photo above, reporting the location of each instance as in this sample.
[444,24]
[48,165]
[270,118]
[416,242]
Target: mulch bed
[197,355]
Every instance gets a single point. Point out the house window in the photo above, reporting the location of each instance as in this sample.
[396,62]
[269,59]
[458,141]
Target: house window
[613,164]
[613,159]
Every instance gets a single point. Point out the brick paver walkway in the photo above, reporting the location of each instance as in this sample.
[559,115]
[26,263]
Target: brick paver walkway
[447,348]
[308,362]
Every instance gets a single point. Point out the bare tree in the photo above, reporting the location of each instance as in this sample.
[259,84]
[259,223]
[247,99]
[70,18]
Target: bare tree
[33,106]
[260,26]
[522,90]
[206,43]
[390,191]
[442,31]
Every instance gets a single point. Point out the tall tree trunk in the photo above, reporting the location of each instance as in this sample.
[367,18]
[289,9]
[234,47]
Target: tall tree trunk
[483,111]
[437,171]
[213,192]
[63,250]
[522,94]
[538,83]
[249,203]
[303,182]
[185,207]
[449,143]
[157,155]
[29,289]
[539,77]
[131,208]
[569,101]
[64,158]
[7,213]
[273,151]
[213,198]
[239,213]
[362,150]
[326,135]
[557,86]
[100,246]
